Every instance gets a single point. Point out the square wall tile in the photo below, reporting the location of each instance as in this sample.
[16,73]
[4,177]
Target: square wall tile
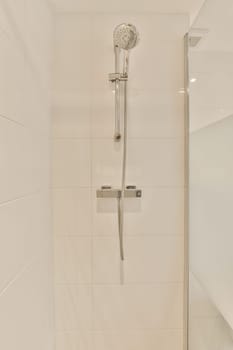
[107,266]
[73,27]
[149,118]
[72,211]
[71,163]
[73,305]
[105,215]
[154,259]
[71,122]
[106,162]
[103,113]
[73,260]
[161,213]
[72,52]
[138,306]
[155,162]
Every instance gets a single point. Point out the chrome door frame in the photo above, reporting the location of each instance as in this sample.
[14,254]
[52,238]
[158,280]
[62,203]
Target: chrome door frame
[186,193]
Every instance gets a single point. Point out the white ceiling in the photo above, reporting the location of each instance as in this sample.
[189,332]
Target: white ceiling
[132,6]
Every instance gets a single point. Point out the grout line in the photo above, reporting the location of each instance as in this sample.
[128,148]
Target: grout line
[31,128]
[17,276]
[107,138]
[119,284]
[94,187]
[111,236]
[91,196]
[13,280]
[125,330]
[110,330]
[21,197]
[12,120]
[61,10]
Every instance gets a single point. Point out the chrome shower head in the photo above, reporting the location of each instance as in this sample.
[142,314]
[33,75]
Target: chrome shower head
[125,36]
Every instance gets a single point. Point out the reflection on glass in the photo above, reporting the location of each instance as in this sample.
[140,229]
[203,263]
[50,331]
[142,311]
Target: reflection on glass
[211,181]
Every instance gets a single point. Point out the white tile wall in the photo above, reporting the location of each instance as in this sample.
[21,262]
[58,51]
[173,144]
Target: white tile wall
[100,303]
[72,211]
[26,291]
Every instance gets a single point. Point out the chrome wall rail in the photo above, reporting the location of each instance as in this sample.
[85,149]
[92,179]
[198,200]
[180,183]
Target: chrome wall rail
[125,38]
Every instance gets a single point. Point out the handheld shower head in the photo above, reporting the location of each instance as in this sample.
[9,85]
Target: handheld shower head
[125,36]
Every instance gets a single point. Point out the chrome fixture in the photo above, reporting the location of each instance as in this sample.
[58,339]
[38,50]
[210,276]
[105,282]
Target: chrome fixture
[125,37]
[109,192]
[196,35]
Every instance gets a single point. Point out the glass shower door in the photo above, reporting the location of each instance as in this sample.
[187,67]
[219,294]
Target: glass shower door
[211,178]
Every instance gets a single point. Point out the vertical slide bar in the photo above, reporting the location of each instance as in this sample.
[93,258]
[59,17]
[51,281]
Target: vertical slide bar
[117,135]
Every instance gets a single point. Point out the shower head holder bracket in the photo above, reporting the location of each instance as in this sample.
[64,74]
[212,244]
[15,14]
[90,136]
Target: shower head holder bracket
[117,77]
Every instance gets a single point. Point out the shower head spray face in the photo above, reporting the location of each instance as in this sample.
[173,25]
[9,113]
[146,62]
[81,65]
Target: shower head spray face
[125,36]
